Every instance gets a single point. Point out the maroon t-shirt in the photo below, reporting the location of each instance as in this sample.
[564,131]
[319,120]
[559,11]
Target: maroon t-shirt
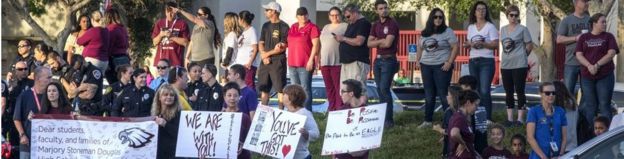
[492,153]
[594,47]
[460,121]
[382,29]
[167,48]
[118,39]
[95,41]
[520,156]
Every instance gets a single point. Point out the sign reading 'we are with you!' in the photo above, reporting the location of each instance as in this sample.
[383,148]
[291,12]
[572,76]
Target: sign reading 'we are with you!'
[274,132]
[353,130]
[204,134]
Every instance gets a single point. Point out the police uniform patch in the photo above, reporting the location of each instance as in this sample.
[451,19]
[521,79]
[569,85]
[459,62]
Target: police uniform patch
[97,74]
[215,95]
[145,96]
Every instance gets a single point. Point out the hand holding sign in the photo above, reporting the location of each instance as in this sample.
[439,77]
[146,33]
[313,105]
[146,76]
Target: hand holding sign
[274,132]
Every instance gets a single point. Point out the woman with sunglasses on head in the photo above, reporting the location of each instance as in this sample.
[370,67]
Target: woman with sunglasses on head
[517,45]
[205,38]
[330,57]
[482,39]
[436,59]
[546,125]
[166,108]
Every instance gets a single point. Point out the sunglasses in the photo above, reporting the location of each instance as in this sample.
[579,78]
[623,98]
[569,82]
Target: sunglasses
[513,15]
[549,93]
[21,69]
[162,67]
[438,17]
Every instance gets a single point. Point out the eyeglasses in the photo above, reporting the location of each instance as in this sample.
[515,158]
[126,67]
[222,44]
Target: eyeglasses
[344,91]
[162,67]
[513,15]
[21,69]
[549,93]
[438,17]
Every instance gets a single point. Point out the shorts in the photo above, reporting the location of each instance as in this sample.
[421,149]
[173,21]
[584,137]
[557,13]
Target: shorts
[272,75]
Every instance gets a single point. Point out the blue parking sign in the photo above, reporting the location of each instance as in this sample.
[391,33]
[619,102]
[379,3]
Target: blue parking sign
[412,48]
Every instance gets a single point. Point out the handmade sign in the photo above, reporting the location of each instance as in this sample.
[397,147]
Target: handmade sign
[55,138]
[204,134]
[354,129]
[274,132]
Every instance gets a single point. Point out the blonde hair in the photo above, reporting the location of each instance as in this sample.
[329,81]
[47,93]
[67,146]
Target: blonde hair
[230,24]
[166,112]
[96,17]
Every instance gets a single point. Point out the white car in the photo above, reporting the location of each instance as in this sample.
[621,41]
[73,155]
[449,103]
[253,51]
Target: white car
[609,145]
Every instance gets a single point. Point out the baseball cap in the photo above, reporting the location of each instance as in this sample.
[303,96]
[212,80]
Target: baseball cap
[273,6]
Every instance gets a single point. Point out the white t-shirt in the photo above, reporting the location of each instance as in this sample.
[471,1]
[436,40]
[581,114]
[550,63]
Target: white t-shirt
[230,40]
[313,134]
[245,42]
[487,34]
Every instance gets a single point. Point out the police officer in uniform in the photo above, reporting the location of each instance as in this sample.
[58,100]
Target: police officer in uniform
[210,98]
[135,100]
[89,101]
[195,83]
[124,74]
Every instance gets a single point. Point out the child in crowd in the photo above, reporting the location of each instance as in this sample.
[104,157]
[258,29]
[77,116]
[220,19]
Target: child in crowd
[453,101]
[518,144]
[601,125]
[479,120]
[496,148]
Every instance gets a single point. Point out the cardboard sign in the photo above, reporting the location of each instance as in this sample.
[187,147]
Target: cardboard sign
[274,132]
[204,134]
[354,129]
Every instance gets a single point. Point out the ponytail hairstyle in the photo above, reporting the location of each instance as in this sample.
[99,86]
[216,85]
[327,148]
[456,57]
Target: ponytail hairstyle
[217,37]
[246,16]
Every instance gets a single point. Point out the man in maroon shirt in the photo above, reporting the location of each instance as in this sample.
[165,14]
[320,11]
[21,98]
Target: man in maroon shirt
[170,35]
[384,36]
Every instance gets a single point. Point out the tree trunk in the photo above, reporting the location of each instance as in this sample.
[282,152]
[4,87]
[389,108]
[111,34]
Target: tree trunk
[547,58]
[22,10]
[62,36]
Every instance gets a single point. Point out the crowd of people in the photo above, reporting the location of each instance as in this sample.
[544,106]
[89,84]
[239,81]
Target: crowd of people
[188,77]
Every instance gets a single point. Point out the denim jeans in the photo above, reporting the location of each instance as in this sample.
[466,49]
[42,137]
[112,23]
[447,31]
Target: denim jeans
[303,77]
[483,69]
[24,155]
[436,82]
[570,76]
[597,95]
[384,71]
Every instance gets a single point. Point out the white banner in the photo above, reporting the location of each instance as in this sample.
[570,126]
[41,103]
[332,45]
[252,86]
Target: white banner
[354,129]
[204,134]
[54,138]
[274,132]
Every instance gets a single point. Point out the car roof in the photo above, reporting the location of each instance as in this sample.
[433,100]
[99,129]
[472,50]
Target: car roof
[593,142]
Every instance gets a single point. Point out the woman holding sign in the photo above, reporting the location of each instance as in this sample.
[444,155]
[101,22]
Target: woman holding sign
[232,96]
[55,101]
[350,94]
[294,98]
[462,138]
[166,108]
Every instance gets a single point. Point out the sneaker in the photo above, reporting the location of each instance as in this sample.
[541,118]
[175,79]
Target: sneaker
[425,125]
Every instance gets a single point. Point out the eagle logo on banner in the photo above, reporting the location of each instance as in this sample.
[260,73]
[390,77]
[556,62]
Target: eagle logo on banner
[135,137]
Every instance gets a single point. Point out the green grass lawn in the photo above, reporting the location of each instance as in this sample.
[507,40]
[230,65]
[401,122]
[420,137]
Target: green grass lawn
[405,140]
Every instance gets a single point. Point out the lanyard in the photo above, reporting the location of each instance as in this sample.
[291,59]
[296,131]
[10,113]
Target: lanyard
[172,24]
[36,98]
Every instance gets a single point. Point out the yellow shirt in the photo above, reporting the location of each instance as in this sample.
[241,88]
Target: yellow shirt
[185,104]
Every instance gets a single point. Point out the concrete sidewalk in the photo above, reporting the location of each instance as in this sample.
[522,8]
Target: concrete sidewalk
[619,86]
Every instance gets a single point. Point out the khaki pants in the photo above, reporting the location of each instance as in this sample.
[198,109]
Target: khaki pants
[355,70]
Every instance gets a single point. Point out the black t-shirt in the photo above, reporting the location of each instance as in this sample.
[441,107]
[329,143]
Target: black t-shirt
[349,53]
[274,33]
[492,153]
[93,75]
[22,85]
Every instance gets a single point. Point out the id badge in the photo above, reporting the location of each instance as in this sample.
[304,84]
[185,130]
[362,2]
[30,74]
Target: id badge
[554,147]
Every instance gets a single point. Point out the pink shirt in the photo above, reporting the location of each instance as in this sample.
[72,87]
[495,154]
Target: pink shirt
[300,43]
[167,48]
